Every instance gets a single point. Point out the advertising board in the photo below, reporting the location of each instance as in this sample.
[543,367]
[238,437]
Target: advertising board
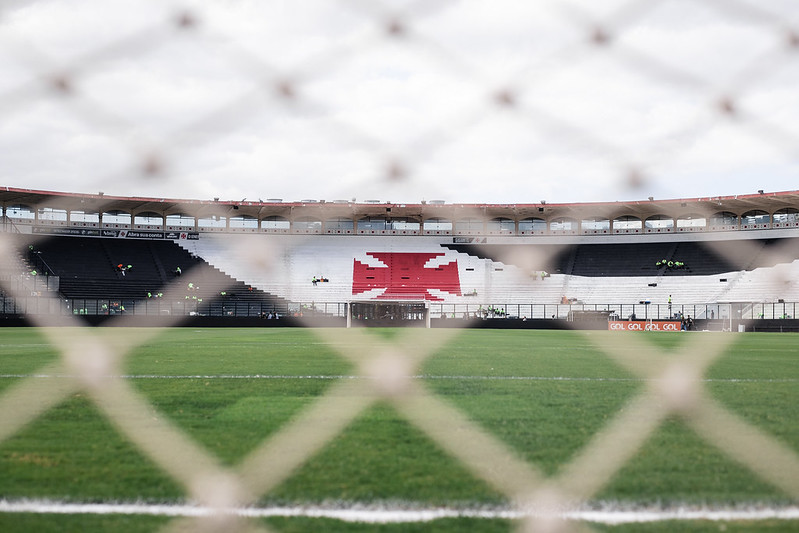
[642,325]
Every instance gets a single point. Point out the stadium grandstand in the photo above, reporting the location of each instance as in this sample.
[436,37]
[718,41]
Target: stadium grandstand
[728,262]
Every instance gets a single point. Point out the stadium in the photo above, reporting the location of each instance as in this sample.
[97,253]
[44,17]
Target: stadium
[727,262]
[705,266]
[399,266]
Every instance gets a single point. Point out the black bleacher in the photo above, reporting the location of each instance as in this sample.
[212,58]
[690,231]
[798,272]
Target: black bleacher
[703,260]
[640,259]
[87,269]
[618,259]
[87,266]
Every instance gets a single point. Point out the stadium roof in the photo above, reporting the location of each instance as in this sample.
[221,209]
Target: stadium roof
[739,204]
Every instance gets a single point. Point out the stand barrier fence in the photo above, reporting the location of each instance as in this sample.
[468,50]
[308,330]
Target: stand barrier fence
[36,304]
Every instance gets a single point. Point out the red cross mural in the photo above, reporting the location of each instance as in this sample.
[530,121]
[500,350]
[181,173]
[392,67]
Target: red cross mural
[405,274]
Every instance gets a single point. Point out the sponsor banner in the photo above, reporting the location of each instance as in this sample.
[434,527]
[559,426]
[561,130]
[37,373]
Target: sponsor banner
[67,231]
[117,233]
[182,235]
[642,325]
[142,234]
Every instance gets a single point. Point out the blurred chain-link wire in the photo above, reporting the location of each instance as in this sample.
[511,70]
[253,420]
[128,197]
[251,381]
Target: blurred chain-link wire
[185,99]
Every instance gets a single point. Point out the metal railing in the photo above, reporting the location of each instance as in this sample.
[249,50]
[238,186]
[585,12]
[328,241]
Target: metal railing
[44,304]
[709,311]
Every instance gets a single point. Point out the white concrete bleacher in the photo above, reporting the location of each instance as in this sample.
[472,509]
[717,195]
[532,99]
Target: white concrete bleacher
[631,290]
[285,266]
[758,285]
[766,284]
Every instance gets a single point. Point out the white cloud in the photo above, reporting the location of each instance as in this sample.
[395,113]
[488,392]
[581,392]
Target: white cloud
[317,99]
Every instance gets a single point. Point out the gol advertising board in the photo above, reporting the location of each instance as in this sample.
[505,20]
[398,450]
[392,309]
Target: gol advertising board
[642,325]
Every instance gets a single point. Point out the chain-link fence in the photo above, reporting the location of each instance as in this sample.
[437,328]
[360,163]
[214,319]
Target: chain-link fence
[388,98]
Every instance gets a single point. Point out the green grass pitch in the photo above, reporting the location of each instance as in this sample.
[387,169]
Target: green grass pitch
[72,453]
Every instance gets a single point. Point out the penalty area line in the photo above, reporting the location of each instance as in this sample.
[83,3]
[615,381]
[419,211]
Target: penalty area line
[385,514]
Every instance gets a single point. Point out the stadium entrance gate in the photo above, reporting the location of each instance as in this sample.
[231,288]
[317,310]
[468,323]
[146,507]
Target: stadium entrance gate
[387,313]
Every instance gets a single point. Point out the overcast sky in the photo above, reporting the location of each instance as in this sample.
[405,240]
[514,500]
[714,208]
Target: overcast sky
[465,101]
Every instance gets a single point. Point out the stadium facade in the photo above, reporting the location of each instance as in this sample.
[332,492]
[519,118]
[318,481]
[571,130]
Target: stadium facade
[723,260]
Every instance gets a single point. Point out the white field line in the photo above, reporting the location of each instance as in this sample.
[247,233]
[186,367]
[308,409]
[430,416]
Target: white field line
[420,376]
[385,514]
